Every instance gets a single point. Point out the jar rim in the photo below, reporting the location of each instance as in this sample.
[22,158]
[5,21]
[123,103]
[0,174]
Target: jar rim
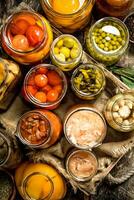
[68,15]
[8,21]
[32,99]
[115,20]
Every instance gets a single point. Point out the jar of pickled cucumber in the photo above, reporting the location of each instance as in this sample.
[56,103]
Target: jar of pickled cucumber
[27,37]
[107,40]
[66,52]
[68,16]
[10,75]
[119,112]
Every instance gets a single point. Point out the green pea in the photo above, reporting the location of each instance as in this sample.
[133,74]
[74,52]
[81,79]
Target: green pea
[97,40]
[114,38]
[106,44]
[59,43]
[112,42]
[114,47]
[101,46]
[103,34]
[120,39]
[106,48]
[117,44]
[100,30]
[103,41]
[110,47]
[65,51]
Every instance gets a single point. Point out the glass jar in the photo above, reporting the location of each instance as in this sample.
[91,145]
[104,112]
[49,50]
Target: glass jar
[10,153]
[39,128]
[81,129]
[66,52]
[114,8]
[81,165]
[9,78]
[68,22]
[119,112]
[107,40]
[45,86]
[39,182]
[27,37]
[88,81]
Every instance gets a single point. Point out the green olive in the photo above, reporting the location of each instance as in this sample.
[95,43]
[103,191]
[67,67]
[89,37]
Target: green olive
[59,43]
[60,57]
[74,53]
[56,50]
[65,51]
[68,42]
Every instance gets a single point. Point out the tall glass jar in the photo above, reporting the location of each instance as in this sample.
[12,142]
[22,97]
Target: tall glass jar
[10,75]
[114,8]
[107,40]
[68,23]
[39,129]
[10,153]
[39,182]
[27,37]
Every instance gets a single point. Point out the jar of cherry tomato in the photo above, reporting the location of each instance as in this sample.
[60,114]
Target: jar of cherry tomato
[45,86]
[27,37]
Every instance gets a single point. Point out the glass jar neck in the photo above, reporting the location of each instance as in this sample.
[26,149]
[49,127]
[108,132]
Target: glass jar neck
[37,186]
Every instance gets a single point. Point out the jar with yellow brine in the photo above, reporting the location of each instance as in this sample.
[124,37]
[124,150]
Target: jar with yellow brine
[68,16]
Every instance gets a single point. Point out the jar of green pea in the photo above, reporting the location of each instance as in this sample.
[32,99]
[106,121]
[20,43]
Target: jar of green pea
[107,40]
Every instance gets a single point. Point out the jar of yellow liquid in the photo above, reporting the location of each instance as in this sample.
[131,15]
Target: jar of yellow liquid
[68,15]
[38,181]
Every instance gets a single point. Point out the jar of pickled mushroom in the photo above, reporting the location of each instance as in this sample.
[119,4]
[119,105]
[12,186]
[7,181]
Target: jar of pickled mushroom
[66,52]
[88,81]
[107,40]
[119,112]
[114,8]
[81,129]
[39,128]
[68,16]
[27,37]
[10,153]
[39,181]
[81,165]
[45,86]
[10,75]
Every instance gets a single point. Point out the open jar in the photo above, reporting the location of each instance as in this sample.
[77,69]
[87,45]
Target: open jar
[84,127]
[27,37]
[88,81]
[107,40]
[81,165]
[68,16]
[39,181]
[10,75]
[119,112]
[39,129]
[66,52]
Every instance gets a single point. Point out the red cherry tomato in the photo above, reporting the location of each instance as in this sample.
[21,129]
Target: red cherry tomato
[58,88]
[54,78]
[32,90]
[31,79]
[42,70]
[20,42]
[47,88]
[52,95]
[29,18]
[41,96]
[40,80]
[34,34]
[19,27]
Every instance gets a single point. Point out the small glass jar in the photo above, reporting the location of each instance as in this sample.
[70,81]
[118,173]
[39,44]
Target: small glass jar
[68,23]
[82,165]
[39,181]
[119,112]
[39,129]
[81,129]
[10,153]
[107,40]
[27,37]
[94,79]
[114,8]
[66,52]
[10,75]
[45,86]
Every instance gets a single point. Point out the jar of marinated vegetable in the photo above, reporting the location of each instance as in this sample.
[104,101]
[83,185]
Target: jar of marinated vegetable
[39,181]
[66,52]
[10,153]
[27,37]
[114,8]
[88,81]
[119,112]
[107,40]
[39,128]
[68,16]
[9,78]
[45,86]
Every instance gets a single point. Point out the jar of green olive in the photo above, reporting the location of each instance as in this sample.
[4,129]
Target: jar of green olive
[88,81]
[107,40]
[66,52]
[119,112]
